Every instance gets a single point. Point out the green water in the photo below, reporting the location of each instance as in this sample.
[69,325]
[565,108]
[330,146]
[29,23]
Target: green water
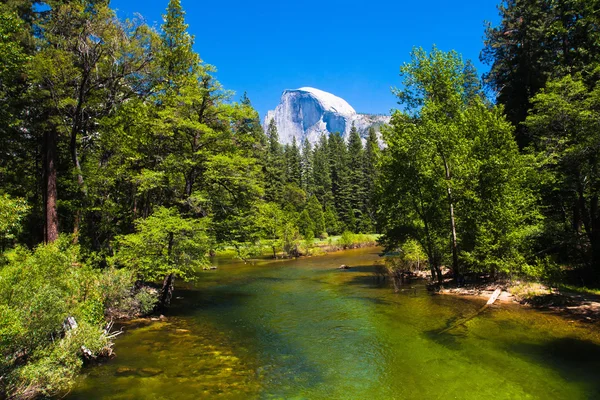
[304,330]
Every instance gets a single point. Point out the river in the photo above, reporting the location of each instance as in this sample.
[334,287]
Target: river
[301,329]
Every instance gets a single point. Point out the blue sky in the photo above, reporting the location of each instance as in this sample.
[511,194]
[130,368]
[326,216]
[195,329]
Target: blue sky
[349,48]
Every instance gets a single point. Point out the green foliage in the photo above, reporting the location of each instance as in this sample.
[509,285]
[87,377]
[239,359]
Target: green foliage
[315,212]
[12,213]
[564,126]
[451,162]
[290,239]
[536,41]
[164,243]
[346,240]
[38,290]
[332,223]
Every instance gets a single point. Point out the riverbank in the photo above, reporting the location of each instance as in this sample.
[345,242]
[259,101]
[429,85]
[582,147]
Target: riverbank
[302,248]
[572,303]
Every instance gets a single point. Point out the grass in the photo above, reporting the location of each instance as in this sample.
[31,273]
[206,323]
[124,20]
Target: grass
[313,247]
[579,289]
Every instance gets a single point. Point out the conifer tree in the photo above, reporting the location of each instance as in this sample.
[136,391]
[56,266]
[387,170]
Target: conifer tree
[307,167]
[315,210]
[340,185]
[293,164]
[356,180]
[275,166]
[372,154]
[322,173]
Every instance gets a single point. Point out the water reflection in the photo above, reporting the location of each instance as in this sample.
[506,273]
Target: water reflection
[303,329]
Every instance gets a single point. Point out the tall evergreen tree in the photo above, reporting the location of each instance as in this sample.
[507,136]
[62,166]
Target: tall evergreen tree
[321,173]
[293,163]
[537,40]
[371,173]
[356,180]
[275,166]
[307,167]
[340,179]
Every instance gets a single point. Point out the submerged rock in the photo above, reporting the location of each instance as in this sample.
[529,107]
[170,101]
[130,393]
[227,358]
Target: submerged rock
[125,371]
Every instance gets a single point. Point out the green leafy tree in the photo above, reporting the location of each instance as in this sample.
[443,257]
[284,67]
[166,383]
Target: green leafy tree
[535,41]
[306,225]
[452,170]
[165,246]
[12,213]
[564,124]
[332,222]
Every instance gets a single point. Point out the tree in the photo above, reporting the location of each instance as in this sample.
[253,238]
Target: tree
[332,223]
[307,167]
[321,173]
[274,168]
[564,124]
[537,41]
[293,167]
[315,211]
[451,170]
[12,213]
[340,175]
[356,181]
[165,246]
[371,173]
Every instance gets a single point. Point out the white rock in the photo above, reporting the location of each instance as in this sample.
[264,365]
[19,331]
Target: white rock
[308,113]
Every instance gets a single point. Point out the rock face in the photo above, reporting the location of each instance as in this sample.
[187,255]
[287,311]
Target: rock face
[308,113]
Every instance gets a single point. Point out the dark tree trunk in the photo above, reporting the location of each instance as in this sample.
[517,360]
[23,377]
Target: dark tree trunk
[167,291]
[167,287]
[50,188]
[455,270]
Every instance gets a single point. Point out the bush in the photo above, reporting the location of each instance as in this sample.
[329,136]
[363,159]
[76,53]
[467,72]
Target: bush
[346,240]
[40,353]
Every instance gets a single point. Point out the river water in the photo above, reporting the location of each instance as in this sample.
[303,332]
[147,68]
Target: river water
[301,329]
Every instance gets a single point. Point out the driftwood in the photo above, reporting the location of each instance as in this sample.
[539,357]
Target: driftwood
[462,321]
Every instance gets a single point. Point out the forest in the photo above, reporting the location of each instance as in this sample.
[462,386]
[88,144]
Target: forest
[124,164]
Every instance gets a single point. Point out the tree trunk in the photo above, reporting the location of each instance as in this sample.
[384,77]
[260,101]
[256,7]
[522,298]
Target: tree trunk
[455,270]
[167,287]
[167,291]
[50,188]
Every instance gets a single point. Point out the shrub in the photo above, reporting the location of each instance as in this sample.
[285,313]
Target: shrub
[40,353]
[346,241]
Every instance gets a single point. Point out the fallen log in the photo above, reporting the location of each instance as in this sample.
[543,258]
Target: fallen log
[462,321]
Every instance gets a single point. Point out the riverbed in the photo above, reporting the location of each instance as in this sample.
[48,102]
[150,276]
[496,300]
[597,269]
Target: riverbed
[302,329]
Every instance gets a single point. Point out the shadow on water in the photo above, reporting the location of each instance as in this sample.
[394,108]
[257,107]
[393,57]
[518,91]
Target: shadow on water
[576,360]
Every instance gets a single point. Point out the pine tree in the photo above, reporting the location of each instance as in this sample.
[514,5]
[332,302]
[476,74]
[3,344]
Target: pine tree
[371,174]
[321,172]
[536,41]
[307,167]
[356,181]
[293,166]
[340,175]
[275,166]
[315,210]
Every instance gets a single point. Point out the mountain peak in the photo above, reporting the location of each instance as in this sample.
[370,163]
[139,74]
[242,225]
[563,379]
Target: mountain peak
[308,113]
